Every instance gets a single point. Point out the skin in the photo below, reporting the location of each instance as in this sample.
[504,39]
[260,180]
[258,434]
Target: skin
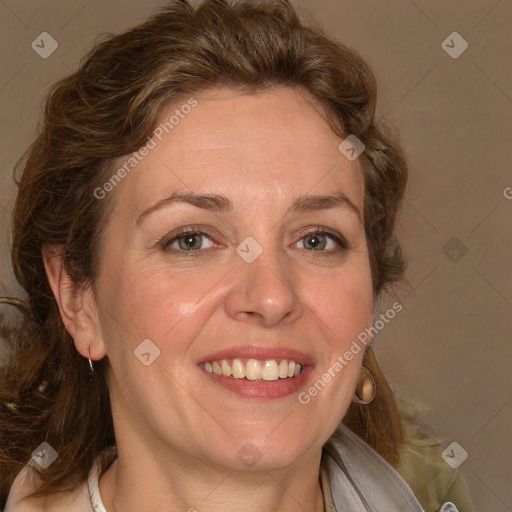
[177,435]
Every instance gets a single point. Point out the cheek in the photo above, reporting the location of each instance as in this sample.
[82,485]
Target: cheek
[162,304]
[344,303]
[342,307]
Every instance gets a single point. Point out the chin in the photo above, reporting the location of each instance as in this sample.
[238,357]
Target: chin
[265,454]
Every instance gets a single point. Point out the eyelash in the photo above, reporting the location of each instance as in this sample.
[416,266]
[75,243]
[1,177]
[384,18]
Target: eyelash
[165,242]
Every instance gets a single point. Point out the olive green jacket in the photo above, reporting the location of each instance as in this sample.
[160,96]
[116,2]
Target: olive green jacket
[432,480]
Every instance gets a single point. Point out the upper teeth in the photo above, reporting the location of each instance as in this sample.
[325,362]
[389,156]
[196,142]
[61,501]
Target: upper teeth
[254,369]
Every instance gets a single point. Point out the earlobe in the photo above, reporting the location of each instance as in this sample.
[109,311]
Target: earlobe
[78,316]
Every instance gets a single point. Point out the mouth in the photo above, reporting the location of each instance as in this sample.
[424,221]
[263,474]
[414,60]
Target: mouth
[257,372]
[254,369]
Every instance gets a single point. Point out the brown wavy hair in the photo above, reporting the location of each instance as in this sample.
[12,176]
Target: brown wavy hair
[107,109]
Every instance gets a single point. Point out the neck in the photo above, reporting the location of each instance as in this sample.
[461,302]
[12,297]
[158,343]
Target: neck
[132,484]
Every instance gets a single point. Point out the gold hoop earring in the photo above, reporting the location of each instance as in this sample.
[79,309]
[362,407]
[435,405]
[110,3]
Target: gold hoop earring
[366,388]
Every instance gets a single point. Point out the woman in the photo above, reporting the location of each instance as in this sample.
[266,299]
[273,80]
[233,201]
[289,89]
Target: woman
[204,228]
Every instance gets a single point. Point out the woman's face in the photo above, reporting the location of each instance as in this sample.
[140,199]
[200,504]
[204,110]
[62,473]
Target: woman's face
[255,283]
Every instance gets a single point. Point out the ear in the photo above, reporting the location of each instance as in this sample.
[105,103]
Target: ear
[77,305]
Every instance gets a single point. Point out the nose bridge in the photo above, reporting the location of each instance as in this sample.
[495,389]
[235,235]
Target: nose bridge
[265,284]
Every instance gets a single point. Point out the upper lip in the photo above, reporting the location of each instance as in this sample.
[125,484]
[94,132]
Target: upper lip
[259,352]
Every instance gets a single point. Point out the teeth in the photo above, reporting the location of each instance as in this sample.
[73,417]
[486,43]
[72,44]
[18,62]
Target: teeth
[254,369]
[283,369]
[270,370]
[226,369]
[238,369]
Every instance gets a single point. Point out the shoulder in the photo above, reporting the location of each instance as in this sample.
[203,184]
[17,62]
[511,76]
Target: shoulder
[431,478]
[28,480]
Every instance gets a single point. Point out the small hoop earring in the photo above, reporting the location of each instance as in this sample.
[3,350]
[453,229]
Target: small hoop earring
[91,368]
[366,388]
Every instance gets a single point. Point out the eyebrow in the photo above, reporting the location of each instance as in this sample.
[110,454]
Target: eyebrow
[220,203]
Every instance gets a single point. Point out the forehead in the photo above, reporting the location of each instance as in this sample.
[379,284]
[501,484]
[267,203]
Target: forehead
[274,143]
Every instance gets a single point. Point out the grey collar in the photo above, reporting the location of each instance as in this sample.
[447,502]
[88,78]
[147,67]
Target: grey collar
[382,487]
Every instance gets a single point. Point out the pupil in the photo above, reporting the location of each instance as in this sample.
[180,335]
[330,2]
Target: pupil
[189,241]
[315,241]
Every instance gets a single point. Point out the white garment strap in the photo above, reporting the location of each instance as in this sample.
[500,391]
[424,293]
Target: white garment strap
[94,490]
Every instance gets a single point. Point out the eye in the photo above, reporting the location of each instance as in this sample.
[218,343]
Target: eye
[188,240]
[191,242]
[323,240]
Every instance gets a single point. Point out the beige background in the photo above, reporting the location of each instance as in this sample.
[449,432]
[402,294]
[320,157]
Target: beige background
[450,347]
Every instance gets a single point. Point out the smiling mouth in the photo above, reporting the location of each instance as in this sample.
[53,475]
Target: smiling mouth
[254,369]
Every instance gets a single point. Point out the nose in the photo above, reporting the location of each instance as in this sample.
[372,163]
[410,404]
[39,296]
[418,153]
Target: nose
[264,291]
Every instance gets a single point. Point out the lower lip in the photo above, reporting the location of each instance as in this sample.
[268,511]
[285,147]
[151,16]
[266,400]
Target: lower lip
[261,389]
